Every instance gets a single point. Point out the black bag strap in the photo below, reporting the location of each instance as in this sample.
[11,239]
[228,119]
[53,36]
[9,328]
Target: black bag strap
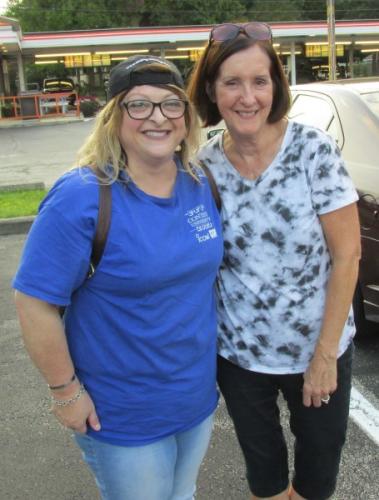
[213,186]
[102,229]
[103,224]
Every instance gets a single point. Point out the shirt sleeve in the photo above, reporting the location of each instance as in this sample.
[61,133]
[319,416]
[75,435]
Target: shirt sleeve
[56,255]
[331,185]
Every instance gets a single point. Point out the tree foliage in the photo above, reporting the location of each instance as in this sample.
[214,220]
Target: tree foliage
[189,12]
[55,15]
[357,9]
[269,10]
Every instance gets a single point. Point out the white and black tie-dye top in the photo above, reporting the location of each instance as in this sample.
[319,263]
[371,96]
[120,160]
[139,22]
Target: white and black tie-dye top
[272,283]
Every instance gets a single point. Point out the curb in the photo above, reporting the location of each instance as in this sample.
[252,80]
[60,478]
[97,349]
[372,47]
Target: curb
[30,186]
[16,225]
[8,124]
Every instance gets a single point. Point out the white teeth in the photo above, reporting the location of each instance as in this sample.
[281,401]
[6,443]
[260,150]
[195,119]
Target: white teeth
[247,113]
[156,133]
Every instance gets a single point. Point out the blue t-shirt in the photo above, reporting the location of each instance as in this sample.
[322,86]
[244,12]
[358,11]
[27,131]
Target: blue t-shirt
[142,330]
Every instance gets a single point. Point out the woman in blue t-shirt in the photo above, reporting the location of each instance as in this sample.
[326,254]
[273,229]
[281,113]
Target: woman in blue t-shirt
[132,368]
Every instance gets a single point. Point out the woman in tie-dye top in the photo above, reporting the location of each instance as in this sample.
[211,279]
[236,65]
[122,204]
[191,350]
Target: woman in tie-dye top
[290,265]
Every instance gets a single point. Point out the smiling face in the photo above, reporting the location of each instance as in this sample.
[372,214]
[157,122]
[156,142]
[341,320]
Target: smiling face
[151,141]
[243,91]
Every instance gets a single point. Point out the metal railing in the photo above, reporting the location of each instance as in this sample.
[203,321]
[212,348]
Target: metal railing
[39,106]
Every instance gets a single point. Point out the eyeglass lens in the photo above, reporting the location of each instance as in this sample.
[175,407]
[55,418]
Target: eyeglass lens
[228,31]
[258,30]
[142,109]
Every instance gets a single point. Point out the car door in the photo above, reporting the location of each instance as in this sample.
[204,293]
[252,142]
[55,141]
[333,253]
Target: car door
[369,267]
[318,109]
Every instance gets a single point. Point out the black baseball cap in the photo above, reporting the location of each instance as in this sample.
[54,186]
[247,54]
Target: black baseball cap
[127,74]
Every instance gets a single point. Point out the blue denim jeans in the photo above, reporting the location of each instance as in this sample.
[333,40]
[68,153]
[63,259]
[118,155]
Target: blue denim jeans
[164,470]
[251,399]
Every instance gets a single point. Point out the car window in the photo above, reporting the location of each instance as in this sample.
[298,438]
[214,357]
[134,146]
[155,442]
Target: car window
[319,112]
[58,85]
[372,101]
[61,86]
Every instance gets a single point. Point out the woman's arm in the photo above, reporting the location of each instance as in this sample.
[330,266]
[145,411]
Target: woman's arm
[45,341]
[342,233]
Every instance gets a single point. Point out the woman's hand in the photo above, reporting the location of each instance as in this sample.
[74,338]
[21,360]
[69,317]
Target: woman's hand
[77,415]
[320,379]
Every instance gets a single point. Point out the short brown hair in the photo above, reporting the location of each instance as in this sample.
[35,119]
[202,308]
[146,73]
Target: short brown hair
[206,72]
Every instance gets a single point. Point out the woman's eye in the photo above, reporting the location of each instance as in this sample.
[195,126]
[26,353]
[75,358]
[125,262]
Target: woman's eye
[138,105]
[174,104]
[261,82]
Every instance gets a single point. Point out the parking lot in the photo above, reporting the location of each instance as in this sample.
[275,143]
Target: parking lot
[38,459]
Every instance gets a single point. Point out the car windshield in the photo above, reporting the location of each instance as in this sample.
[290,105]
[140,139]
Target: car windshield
[372,100]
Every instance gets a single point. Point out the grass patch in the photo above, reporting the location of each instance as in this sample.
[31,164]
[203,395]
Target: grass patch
[20,203]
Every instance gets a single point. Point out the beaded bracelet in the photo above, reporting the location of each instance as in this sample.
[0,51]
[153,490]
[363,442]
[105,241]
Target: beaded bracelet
[62,386]
[67,402]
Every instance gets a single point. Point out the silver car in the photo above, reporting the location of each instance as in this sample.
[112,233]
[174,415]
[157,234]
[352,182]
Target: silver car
[349,112]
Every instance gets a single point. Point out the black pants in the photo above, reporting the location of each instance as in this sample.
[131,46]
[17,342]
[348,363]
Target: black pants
[251,399]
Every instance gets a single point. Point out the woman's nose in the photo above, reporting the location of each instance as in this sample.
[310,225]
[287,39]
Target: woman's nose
[157,115]
[248,94]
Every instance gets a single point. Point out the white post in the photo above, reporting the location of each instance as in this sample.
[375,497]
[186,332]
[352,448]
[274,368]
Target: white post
[21,76]
[351,60]
[293,64]
[7,85]
[331,39]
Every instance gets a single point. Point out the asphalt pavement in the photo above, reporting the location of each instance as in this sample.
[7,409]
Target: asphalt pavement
[38,460]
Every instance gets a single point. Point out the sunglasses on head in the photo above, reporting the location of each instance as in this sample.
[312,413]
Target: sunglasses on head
[230,31]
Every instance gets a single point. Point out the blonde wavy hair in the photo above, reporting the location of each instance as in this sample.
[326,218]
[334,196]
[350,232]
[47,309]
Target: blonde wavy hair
[102,148]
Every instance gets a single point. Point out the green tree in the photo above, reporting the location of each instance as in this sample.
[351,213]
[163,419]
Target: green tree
[357,9]
[37,74]
[285,10]
[308,10]
[54,15]
[189,12]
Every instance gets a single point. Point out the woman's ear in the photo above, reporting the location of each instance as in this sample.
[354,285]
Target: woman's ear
[210,92]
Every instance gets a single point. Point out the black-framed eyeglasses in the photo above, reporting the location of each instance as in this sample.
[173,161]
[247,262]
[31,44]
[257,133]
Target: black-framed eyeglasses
[230,31]
[142,109]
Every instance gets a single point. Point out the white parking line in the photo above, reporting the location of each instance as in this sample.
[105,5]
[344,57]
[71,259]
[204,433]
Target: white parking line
[364,414]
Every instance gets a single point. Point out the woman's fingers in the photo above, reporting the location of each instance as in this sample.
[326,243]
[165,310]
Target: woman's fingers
[320,380]
[77,415]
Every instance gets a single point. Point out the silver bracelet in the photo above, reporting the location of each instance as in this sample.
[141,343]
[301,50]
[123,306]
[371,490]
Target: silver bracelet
[62,386]
[66,402]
